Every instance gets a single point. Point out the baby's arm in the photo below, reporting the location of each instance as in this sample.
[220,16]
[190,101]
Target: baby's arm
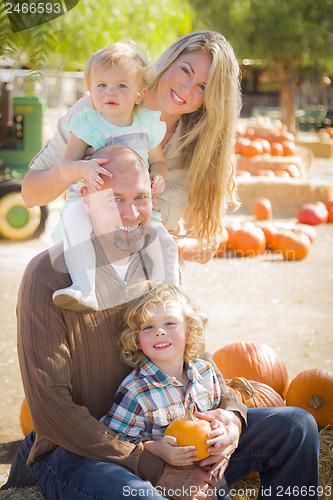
[158,170]
[73,168]
[167,449]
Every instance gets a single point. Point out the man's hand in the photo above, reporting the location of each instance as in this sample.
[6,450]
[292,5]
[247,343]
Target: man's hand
[223,440]
[187,483]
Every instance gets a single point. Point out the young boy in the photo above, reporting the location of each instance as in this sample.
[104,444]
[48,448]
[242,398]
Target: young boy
[163,338]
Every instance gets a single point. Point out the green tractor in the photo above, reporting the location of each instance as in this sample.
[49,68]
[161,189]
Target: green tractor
[21,137]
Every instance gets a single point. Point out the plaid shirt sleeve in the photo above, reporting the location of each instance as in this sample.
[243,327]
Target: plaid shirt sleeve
[126,416]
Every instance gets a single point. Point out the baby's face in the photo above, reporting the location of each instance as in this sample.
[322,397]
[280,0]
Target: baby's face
[115,92]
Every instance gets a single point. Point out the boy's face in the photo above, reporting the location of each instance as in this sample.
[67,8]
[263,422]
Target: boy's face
[115,92]
[163,338]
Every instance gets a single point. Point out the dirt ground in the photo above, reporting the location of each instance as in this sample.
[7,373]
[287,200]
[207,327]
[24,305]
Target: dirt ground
[287,305]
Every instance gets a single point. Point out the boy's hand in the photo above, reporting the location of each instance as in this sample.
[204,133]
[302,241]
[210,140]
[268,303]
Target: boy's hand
[168,450]
[157,184]
[90,171]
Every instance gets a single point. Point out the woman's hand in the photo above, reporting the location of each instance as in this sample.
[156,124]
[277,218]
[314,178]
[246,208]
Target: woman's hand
[191,249]
[168,450]
[223,439]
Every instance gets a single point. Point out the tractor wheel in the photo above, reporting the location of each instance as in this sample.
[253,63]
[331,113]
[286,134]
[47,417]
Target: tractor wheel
[18,222]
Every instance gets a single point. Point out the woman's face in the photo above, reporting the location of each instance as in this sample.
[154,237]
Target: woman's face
[181,88]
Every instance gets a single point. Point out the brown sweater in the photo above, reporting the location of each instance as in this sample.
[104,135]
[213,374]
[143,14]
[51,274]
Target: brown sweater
[71,368]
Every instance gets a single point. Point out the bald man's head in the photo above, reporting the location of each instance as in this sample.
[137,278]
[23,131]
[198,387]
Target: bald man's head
[122,207]
[122,161]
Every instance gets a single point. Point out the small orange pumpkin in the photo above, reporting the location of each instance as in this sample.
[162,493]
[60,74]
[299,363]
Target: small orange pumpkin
[254,361]
[255,394]
[25,420]
[294,246]
[312,391]
[262,209]
[191,431]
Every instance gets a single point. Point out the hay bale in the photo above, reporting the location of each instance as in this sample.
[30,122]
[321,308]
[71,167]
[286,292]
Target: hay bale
[242,490]
[286,195]
[267,162]
[320,147]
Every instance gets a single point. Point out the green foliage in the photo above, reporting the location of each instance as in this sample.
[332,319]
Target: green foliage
[286,33]
[67,42]
[92,25]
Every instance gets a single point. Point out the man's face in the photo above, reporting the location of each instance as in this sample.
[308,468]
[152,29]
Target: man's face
[121,210]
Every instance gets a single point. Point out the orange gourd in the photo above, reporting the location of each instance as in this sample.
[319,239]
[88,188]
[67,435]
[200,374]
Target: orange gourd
[312,390]
[254,361]
[191,431]
[262,209]
[294,246]
[249,241]
[255,394]
[25,420]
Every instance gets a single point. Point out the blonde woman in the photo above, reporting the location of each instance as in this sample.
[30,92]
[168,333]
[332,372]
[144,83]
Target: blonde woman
[195,85]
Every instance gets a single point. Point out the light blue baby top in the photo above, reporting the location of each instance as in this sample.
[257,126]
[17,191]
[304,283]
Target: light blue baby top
[145,133]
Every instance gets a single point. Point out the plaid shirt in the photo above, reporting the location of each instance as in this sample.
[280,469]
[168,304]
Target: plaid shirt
[148,399]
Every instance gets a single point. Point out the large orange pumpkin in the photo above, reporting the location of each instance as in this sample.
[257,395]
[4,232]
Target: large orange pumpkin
[254,361]
[312,390]
[25,420]
[249,241]
[191,431]
[255,394]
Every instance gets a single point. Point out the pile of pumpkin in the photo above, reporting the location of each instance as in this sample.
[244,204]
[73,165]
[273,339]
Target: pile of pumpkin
[259,376]
[265,137]
[291,240]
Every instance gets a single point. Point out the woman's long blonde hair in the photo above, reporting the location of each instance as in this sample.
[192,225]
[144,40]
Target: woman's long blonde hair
[208,134]
[139,311]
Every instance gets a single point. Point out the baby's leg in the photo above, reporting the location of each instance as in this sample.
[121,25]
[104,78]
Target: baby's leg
[80,259]
[163,251]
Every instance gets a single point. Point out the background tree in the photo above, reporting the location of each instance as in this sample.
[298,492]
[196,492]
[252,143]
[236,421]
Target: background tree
[291,36]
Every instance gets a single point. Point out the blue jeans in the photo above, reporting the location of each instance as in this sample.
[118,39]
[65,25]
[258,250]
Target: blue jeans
[281,443]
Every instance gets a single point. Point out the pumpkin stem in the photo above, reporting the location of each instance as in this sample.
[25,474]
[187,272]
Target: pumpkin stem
[315,402]
[190,414]
[243,385]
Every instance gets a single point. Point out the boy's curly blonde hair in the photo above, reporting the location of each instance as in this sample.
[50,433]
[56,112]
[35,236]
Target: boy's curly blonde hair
[139,311]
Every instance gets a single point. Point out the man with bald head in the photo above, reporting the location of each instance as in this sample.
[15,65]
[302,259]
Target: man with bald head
[119,219]
[69,362]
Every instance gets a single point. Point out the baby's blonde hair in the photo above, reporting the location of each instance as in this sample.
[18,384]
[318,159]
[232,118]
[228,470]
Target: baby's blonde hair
[139,311]
[208,134]
[126,55]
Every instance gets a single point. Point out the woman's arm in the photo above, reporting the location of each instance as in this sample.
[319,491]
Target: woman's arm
[40,187]
[44,183]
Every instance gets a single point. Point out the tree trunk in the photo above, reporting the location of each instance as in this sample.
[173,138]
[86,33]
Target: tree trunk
[287,102]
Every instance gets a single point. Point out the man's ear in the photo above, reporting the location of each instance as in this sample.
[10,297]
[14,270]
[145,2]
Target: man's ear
[85,199]
[141,95]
